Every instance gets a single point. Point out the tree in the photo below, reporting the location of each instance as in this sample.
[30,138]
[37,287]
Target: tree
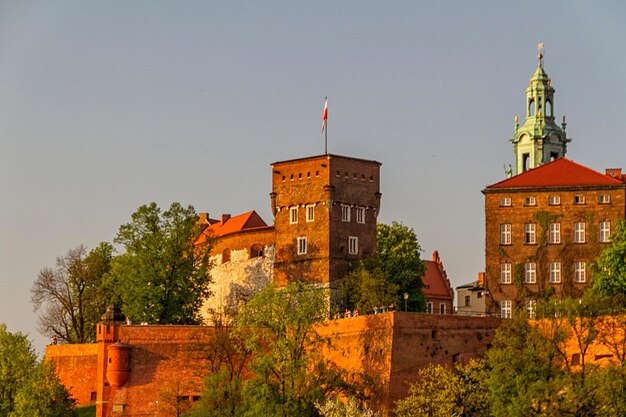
[162,277]
[367,286]
[72,296]
[609,271]
[399,257]
[442,391]
[28,388]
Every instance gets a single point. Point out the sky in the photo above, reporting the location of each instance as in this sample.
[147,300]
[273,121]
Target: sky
[105,106]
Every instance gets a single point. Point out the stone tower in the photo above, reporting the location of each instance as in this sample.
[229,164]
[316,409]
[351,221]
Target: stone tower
[325,209]
[540,139]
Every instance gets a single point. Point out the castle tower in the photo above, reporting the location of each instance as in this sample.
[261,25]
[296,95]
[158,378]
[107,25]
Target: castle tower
[107,334]
[325,209]
[540,139]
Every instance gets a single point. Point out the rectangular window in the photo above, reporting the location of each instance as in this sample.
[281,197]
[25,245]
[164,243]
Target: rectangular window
[579,232]
[580,274]
[604,199]
[310,213]
[293,215]
[555,233]
[505,234]
[530,201]
[579,199]
[555,272]
[360,215]
[605,232]
[429,307]
[505,202]
[353,245]
[505,273]
[505,309]
[345,213]
[442,308]
[530,237]
[530,308]
[468,301]
[554,200]
[530,273]
[302,245]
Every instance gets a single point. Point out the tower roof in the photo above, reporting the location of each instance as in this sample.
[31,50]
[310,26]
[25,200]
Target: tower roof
[559,173]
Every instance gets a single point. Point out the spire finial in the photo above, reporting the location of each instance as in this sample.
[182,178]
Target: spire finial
[540,54]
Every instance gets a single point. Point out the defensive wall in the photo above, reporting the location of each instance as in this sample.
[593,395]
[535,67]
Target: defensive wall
[167,363]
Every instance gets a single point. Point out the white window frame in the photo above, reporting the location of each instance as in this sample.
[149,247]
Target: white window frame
[505,202]
[605,232]
[345,213]
[505,234]
[530,235]
[580,272]
[555,272]
[579,199]
[302,245]
[360,215]
[353,245]
[579,232]
[530,201]
[531,306]
[506,308]
[505,273]
[310,213]
[530,273]
[604,199]
[554,200]
[429,307]
[293,215]
[554,235]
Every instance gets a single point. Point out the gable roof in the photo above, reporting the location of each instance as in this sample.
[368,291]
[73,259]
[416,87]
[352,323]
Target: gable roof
[228,225]
[435,279]
[561,172]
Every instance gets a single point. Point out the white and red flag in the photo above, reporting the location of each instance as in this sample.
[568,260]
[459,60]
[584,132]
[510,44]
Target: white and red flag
[325,114]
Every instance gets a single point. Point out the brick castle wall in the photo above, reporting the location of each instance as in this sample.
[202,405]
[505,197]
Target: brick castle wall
[76,366]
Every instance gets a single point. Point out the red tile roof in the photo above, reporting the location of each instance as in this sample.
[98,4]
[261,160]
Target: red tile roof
[436,285]
[558,173]
[218,228]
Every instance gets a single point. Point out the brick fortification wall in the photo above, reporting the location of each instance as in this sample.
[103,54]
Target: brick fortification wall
[76,366]
[167,363]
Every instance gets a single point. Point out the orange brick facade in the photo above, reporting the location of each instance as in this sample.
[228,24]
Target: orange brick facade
[508,276]
[325,211]
[167,363]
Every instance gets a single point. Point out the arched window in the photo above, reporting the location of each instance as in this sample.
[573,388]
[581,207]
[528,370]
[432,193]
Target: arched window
[225,255]
[531,107]
[549,108]
[256,250]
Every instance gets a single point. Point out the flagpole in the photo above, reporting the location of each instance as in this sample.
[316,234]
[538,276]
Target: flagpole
[325,125]
[326,138]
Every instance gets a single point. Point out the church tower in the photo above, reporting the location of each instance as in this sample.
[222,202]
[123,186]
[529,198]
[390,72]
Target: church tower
[540,139]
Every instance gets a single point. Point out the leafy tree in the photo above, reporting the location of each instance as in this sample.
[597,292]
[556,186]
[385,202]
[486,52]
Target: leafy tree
[28,388]
[367,286]
[351,408]
[162,277]
[447,392]
[398,254]
[72,296]
[609,271]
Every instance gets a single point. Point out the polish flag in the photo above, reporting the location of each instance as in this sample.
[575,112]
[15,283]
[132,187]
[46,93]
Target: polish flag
[325,114]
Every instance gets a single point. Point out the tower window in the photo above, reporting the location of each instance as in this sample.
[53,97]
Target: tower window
[345,213]
[293,215]
[302,245]
[554,156]
[353,245]
[310,213]
[525,162]
[360,215]
[531,107]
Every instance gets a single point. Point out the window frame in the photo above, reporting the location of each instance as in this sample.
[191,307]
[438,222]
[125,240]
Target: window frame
[345,213]
[506,309]
[580,235]
[604,199]
[505,233]
[506,273]
[302,245]
[360,215]
[530,273]
[353,245]
[310,213]
[554,233]
[505,201]
[293,215]
[554,200]
[604,233]
[530,201]
[555,272]
[580,272]
[531,308]
[579,199]
[530,233]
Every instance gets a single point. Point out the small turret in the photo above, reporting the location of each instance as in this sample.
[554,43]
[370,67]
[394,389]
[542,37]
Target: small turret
[118,364]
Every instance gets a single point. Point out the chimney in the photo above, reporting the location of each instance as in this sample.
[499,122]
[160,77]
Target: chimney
[481,279]
[614,172]
[203,218]
[436,257]
[225,217]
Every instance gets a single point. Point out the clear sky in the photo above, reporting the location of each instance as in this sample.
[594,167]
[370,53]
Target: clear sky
[105,106]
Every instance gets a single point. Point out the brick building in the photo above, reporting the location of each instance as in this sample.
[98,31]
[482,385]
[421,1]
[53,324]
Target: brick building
[437,289]
[325,209]
[544,226]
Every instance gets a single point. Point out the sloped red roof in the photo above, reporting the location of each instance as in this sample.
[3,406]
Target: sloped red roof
[234,224]
[435,284]
[561,172]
